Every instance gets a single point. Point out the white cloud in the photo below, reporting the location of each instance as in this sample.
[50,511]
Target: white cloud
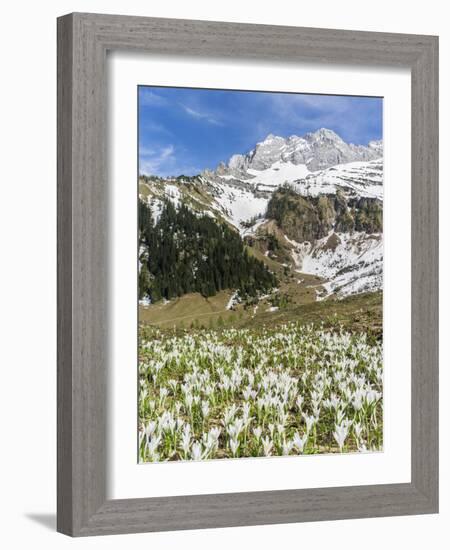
[148,98]
[167,152]
[204,116]
[152,160]
[155,127]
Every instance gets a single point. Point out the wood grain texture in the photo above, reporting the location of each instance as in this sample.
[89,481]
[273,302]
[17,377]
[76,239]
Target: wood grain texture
[64,300]
[83,205]
[425,272]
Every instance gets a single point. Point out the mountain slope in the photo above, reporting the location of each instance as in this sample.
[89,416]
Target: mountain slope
[238,201]
[325,197]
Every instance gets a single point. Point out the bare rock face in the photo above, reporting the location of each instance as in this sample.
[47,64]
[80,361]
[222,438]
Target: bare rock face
[267,152]
[317,150]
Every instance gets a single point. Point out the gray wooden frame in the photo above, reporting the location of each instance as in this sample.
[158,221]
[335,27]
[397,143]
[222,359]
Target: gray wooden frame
[83,41]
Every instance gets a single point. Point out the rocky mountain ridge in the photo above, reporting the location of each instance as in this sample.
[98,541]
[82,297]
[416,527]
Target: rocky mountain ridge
[316,150]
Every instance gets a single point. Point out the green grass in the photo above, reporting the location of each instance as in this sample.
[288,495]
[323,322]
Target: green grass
[190,308]
[360,313]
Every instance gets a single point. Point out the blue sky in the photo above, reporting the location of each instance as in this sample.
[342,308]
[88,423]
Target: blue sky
[185,130]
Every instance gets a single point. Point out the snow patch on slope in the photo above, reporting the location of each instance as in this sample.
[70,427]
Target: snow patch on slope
[279,173]
[364,179]
[352,262]
[173,194]
[253,228]
[156,207]
[238,204]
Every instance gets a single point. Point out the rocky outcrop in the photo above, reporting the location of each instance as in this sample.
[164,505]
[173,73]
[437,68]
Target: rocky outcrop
[304,218]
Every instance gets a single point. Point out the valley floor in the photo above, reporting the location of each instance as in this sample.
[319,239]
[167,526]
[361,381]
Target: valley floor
[359,313]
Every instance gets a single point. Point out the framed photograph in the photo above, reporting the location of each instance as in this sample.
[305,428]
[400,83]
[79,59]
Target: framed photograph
[247,274]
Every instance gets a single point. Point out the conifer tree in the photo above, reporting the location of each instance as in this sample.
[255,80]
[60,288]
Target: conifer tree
[190,253]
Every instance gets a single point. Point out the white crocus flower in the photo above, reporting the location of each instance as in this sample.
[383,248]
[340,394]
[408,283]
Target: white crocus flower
[186,438]
[357,426]
[340,415]
[267,445]
[196,451]
[236,428]
[150,428]
[299,442]
[246,412]
[189,399]
[357,401]
[335,401]
[287,447]
[215,432]
[309,421]
[205,408]
[230,413]
[152,447]
[163,393]
[372,396]
[316,409]
[180,423]
[234,446]
[340,434]
[257,432]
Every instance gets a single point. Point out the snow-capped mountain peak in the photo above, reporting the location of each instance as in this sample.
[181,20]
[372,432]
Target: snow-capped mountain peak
[316,150]
[323,134]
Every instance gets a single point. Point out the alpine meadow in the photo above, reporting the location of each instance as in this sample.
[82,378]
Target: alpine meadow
[260,246]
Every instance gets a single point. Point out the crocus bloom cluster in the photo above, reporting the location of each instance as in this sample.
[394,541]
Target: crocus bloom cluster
[288,390]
